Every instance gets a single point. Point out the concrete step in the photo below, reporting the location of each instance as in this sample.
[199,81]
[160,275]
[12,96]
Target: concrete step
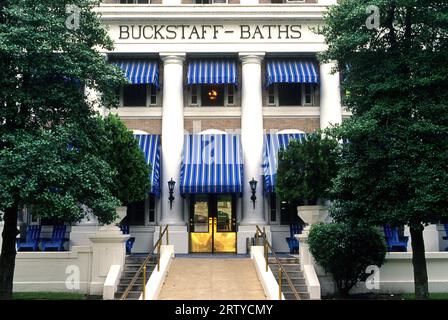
[137,259]
[295,282]
[136,287]
[133,295]
[299,288]
[286,267]
[291,296]
[134,267]
[291,260]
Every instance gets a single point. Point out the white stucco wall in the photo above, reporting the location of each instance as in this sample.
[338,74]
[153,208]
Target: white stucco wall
[396,275]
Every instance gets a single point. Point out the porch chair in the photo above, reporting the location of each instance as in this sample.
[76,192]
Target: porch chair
[446,232]
[57,239]
[31,240]
[293,243]
[130,242]
[394,241]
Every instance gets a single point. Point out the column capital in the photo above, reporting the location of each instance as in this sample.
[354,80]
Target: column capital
[172,58]
[251,57]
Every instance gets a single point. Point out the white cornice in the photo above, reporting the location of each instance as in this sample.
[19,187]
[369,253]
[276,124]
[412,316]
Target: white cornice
[115,13]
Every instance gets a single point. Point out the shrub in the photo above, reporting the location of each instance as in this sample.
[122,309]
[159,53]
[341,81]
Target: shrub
[345,250]
[124,155]
[306,169]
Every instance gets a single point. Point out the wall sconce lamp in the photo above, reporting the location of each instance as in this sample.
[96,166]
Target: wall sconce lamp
[171,184]
[253,188]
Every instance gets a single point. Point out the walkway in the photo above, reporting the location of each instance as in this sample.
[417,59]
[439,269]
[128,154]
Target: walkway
[212,279]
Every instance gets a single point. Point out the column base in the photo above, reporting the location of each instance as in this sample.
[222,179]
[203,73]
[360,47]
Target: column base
[177,236]
[247,232]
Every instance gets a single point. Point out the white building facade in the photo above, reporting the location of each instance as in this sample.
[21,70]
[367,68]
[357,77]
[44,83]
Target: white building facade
[216,89]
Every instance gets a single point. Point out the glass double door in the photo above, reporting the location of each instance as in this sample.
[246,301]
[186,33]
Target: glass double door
[212,223]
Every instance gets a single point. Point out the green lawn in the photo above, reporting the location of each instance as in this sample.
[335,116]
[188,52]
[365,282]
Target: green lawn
[432,296]
[48,296]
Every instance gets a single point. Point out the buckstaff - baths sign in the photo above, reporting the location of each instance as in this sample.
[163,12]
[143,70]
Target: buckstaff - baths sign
[209,32]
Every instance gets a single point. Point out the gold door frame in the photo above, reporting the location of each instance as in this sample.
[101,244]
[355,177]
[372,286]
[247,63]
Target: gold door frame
[213,240]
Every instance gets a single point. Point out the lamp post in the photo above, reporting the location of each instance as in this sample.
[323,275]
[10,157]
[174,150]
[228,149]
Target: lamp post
[171,184]
[253,188]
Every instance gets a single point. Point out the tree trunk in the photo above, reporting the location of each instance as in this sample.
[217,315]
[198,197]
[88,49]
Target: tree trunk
[8,254]
[419,262]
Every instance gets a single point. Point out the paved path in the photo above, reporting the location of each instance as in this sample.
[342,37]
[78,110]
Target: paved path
[212,279]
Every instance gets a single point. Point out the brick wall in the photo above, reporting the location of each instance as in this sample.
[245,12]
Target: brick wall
[304,124]
[219,124]
[153,126]
[118,1]
[283,1]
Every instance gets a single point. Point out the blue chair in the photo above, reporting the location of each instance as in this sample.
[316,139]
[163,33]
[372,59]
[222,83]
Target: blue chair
[57,239]
[130,242]
[293,243]
[394,241]
[446,232]
[32,239]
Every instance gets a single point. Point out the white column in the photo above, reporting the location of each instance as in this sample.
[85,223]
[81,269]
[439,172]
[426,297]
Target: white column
[330,97]
[252,136]
[172,136]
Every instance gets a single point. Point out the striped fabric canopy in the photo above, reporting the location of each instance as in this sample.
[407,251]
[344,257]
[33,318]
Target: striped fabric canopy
[150,145]
[140,71]
[212,71]
[212,163]
[291,71]
[272,144]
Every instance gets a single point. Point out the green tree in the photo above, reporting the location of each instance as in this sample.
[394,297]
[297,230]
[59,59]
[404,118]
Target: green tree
[346,250]
[123,154]
[305,169]
[394,170]
[44,64]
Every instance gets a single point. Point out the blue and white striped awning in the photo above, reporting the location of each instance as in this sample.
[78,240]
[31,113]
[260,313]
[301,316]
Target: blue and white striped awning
[212,71]
[291,71]
[272,144]
[150,145]
[140,71]
[212,163]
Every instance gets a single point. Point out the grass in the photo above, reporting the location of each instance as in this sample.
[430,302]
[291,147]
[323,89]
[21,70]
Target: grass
[432,296]
[48,296]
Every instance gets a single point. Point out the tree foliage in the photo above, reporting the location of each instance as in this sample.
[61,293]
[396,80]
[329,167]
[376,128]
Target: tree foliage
[305,169]
[123,154]
[44,66]
[346,250]
[58,172]
[395,167]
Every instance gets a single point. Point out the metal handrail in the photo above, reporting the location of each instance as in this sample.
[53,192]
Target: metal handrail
[143,265]
[267,246]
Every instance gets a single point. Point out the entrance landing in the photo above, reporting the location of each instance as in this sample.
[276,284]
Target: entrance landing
[212,279]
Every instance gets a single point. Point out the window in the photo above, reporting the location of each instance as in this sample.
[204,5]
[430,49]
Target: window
[152,209]
[288,213]
[212,95]
[271,95]
[136,213]
[286,1]
[134,1]
[290,95]
[138,95]
[230,95]
[210,1]
[273,207]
